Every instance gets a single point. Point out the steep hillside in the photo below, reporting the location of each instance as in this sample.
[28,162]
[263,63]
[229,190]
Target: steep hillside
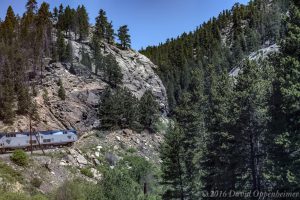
[233,88]
[221,43]
[84,88]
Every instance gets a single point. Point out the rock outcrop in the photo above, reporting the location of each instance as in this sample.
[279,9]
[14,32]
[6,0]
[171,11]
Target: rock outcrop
[84,88]
[257,56]
[138,70]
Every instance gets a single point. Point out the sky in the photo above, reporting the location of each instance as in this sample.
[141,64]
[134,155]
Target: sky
[150,22]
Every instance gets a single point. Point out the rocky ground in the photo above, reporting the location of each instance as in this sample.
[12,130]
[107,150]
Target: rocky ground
[94,150]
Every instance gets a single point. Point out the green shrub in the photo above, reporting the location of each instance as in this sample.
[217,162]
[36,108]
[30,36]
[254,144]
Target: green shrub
[13,196]
[74,190]
[9,174]
[20,196]
[19,157]
[36,182]
[87,172]
[131,150]
[118,185]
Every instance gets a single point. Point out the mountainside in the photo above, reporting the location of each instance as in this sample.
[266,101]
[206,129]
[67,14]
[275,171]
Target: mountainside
[84,88]
[233,91]
[221,43]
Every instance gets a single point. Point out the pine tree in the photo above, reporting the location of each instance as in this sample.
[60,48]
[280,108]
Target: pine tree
[7,113]
[190,120]
[149,110]
[24,100]
[250,128]
[44,26]
[101,25]
[68,20]
[118,109]
[284,137]
[9,24]
[61,46]
[112,71]
[124,37]
[55,13]
[172,166]
[31,6]
[61,91]
[69,52]
[218,161]
[85,59]
[83,22]
[60,22]
[109,36]
[99,59]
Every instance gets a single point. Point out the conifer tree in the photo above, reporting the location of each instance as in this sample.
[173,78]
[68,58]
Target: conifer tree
[69,52]
[101,25]
[172,156]
[7,101]
[99,59]
[110,33]
[189,118]
[118,109]
[31,6]
[55,13]
[61,46]
[61,91]
[86,60]
[68,20]
[60,21]
[217,161]
[24,100]
[124,37]
[285,133]
[250,128]
[83,22]
[149,110]
[43,26]
[112,71]
[9,24]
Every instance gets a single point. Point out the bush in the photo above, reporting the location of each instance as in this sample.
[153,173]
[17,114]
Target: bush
[87,172]
[131,150]
[61,91]
[20,158]
[74,190]
[9,174]
[118,185]
[36,182]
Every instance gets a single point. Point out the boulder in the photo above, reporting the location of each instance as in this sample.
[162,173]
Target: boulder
[81,160]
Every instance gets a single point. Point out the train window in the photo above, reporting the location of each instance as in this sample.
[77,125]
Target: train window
[47,140]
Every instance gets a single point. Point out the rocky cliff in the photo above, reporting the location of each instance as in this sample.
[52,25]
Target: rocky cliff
[84,88]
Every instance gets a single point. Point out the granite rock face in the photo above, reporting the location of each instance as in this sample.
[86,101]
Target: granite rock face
[84,89]
[138,71]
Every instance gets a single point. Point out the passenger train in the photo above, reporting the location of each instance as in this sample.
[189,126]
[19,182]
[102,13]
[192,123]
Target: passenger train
[44,139]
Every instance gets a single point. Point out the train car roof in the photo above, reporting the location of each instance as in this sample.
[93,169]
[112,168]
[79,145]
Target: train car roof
[41,132]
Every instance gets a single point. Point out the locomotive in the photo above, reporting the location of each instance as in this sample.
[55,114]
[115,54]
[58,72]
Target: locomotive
[44,139]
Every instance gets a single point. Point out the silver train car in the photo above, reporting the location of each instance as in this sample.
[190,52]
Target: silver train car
[44,139]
